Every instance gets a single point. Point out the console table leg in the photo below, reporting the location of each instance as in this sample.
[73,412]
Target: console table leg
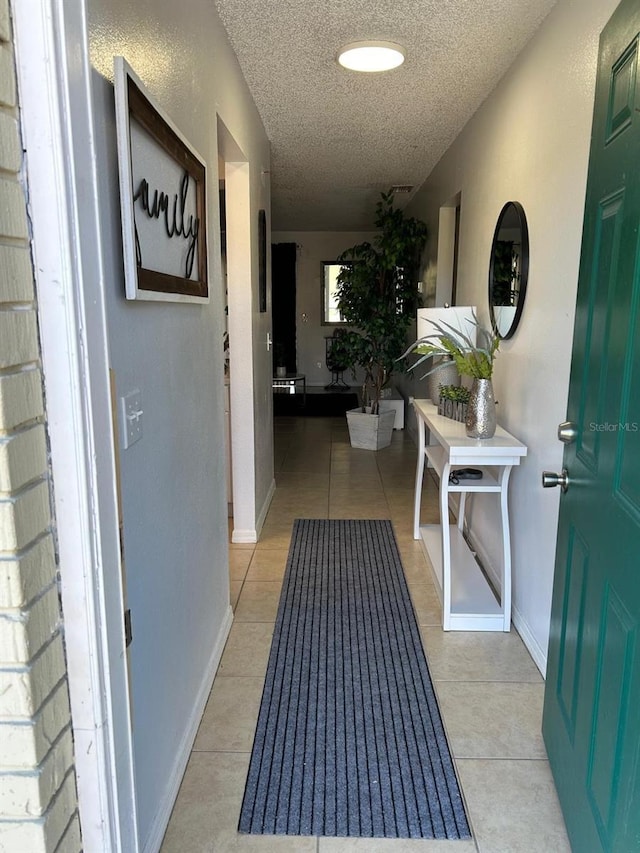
[461,507]
[506,548]
[446,548]
[419,477]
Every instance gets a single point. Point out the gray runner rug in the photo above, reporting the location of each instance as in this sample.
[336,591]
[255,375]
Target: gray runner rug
[349,740]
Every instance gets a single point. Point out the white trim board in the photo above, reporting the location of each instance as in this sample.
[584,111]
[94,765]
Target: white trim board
[54,80]
[262,515]
[240,536]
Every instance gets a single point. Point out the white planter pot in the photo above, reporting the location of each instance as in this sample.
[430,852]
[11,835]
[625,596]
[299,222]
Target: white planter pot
[370,432]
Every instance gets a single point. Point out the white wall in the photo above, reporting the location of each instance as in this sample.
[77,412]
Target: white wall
[529,142]
[173,480]
[314,247]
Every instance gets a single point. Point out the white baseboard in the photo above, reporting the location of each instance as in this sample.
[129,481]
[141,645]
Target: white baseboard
[161,820]
[533,646]
[242,537]
[265,509]
[519,622]
[249,536]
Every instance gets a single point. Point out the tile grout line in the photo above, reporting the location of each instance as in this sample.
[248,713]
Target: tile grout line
[351,502]
[222,751]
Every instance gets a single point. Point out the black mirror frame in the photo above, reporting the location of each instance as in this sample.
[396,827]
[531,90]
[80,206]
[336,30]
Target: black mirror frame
[524,268]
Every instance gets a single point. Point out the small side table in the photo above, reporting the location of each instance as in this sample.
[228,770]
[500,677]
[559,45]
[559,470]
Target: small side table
[287,385]
[468,602]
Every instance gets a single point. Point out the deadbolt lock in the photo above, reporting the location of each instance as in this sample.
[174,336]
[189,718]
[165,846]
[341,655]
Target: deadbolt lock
[567,432]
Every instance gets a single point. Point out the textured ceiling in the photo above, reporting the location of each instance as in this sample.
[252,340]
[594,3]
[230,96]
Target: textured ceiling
[339,137]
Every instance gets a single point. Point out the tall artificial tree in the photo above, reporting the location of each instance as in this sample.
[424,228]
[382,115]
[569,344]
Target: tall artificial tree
[377,293]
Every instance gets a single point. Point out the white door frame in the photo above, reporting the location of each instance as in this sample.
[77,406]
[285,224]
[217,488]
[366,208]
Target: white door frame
[446,249]
[54,77]
[241,344]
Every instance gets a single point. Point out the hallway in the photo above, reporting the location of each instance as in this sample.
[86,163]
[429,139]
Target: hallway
[490,691]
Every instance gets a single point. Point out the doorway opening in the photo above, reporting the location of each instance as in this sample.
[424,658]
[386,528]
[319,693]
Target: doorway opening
[239,377]
[448,246]
[225,337]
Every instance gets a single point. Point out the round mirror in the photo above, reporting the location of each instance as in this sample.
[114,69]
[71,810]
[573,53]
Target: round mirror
[508,269]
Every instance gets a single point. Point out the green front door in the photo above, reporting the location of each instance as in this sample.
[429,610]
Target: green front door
[592,702]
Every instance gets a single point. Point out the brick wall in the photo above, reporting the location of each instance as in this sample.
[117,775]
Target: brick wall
[38,804]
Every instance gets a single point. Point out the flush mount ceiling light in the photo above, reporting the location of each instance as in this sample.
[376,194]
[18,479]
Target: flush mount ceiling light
[371,56]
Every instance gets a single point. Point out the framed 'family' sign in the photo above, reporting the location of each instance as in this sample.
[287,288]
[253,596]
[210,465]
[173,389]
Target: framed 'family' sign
[162,199]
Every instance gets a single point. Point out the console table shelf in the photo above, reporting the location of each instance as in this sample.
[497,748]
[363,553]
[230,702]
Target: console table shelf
[437,455]
[468,601]
[472,599]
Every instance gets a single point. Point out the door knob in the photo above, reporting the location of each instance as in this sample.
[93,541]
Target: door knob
[567,432]
[550,479]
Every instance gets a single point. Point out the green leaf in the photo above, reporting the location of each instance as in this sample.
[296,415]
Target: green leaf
[378,294]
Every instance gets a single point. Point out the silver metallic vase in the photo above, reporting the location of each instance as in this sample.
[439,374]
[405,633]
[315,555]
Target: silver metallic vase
[480,421]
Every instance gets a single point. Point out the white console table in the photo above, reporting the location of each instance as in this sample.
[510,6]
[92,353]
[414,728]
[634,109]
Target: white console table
[468,602]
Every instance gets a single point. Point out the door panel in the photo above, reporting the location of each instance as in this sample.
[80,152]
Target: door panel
[591,720]
[615,654]
[606,248]
[572,626]
[627,466]
[622,94]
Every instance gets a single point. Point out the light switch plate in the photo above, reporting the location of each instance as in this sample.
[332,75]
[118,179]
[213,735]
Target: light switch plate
[131,418]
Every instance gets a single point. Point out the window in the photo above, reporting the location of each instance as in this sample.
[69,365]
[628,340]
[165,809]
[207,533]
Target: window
[330,314]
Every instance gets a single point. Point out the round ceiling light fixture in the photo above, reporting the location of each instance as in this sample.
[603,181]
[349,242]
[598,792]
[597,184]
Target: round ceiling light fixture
[371,56]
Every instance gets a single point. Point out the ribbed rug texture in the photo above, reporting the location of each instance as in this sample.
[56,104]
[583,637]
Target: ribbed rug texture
[349,740]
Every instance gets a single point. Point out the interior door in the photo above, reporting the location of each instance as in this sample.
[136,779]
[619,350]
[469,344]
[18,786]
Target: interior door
[283,296]
[592,702]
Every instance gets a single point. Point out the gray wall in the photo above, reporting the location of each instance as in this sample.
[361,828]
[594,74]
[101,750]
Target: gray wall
[173,480]
[529,142]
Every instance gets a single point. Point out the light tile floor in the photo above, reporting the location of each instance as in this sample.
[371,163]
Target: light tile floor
[489,689]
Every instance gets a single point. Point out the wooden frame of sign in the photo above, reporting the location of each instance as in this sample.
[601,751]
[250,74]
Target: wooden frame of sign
[162,199]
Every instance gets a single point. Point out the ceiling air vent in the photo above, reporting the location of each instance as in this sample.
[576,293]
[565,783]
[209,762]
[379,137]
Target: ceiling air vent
[401,188]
